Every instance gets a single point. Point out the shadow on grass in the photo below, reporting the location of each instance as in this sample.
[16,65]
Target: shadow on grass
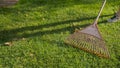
[9,35]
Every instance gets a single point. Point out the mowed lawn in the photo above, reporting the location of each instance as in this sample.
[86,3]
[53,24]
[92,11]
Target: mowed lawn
[36,30]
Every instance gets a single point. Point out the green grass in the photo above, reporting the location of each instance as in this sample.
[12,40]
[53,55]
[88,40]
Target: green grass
[45,24]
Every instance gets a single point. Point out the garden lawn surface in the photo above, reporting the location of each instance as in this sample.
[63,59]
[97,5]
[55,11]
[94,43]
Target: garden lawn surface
[35,31]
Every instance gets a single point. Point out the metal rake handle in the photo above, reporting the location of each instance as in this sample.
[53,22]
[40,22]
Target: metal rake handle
[96,20]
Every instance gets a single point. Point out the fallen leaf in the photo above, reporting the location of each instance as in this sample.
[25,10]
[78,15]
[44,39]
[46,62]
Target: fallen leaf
[8,43]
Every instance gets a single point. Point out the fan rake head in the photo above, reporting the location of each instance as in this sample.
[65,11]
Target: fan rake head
[89,39]
[89,43]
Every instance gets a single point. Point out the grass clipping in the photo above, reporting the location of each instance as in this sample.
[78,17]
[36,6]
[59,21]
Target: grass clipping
[88,43]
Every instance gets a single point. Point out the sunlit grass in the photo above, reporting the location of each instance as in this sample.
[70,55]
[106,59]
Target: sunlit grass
[37,29]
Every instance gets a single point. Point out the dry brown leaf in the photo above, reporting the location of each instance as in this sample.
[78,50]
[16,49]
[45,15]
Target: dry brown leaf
[8,43]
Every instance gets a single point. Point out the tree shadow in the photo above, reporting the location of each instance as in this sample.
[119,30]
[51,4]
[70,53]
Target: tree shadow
[9,35]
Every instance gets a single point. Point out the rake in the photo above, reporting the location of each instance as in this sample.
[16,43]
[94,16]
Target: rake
[89,39]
